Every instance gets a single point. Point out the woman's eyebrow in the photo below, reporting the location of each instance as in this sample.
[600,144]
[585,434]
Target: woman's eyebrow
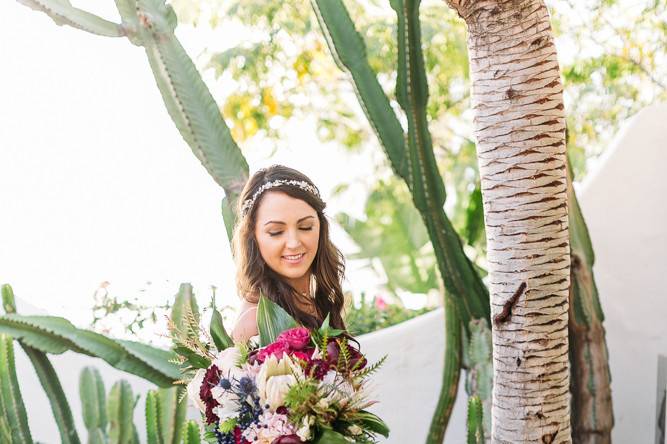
[283,223]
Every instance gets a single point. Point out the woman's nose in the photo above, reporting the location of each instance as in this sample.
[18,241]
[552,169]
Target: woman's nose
[293,240]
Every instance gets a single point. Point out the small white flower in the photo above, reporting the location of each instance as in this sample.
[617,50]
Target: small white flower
[323,403]
[354,430]
[193,389]
[304,432]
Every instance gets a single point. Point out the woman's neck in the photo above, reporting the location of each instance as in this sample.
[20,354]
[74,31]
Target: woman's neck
[301,284]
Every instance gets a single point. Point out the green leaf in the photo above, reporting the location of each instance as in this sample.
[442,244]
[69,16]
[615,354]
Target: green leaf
[185,314]
[373,423]
[50,382]
[220,337]
[474,227]
[13,409]
[328,436]
[271,321]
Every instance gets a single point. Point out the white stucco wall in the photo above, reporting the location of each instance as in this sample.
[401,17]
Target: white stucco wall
[625,207]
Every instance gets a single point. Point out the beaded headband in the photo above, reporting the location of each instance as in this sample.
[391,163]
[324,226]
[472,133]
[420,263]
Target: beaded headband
[250,202]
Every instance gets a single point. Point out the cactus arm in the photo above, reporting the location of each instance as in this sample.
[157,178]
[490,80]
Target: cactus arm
[52,334]
[409,160]
[191,433]
[590,380]
[54,391]
[48,378]
[120,407]
[474,421]
[450,375]
[349,52]
[93,403]
[10,394]
[172,410]
[63,13]
[152,421]
[188,101]
[424,180]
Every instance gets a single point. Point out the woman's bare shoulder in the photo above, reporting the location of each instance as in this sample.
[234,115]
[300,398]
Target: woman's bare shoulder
[246,324]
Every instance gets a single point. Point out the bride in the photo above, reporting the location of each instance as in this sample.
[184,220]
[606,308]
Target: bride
[282,249]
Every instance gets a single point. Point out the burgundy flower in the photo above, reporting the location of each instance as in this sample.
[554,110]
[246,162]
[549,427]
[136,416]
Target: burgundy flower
[297,338]
[238,438]
[317,368]
[356,360]
[287,439]
[211,379]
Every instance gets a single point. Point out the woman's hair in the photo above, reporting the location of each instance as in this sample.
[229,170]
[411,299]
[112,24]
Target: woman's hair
[255,277]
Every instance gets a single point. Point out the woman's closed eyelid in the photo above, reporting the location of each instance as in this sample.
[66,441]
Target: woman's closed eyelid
[276,233]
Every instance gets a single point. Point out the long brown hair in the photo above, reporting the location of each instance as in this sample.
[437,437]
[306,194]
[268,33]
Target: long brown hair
[254,276]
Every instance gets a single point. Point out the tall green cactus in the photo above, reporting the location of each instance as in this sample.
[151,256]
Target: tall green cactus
[13,413]
[150,24]
[108,419]
[411,156]
[592,413]
[48,378]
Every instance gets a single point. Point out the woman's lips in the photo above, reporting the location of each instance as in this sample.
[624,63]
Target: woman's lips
[293,259]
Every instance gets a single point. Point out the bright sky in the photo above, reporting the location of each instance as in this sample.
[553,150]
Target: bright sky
[96,183]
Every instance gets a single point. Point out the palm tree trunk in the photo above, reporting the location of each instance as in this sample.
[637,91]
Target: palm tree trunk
[520,130]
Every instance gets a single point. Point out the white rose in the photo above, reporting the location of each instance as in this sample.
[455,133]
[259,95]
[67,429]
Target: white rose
[227,359]
[193,389]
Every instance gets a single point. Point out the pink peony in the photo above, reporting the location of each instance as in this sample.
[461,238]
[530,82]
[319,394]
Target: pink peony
[276,349]
[297,338]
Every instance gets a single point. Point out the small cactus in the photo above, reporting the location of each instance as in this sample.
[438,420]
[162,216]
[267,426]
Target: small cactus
[475,421]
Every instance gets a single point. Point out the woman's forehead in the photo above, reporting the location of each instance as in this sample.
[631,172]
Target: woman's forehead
[279,207]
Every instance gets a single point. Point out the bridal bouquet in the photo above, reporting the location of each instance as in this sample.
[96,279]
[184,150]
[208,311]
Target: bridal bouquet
[302,386]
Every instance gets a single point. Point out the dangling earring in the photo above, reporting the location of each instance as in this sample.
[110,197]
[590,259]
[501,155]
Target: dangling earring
[313,285]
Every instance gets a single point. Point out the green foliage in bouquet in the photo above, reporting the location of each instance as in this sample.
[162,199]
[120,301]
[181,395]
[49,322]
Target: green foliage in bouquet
[272,319]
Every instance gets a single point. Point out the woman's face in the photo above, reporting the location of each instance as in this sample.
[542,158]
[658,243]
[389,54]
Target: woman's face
[287,231]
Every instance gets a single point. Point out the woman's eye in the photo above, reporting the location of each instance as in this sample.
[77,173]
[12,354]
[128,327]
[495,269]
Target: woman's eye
[306,228]
[275,233]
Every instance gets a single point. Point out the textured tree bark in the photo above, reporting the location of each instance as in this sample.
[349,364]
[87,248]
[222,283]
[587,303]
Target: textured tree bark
[520,131]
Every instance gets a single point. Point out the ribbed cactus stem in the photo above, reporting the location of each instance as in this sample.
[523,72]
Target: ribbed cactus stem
[120,408]
[93,403]
[13,410]
[474,421]
[191,433]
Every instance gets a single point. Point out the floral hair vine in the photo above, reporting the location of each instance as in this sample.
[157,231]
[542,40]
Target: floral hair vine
[250,202]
